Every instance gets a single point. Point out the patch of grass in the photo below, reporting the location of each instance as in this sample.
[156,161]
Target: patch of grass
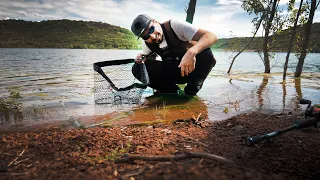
[14,94]
[148,123]
[178,107]
[160,112]
[9,107]
[13,87]
[117,152]
[42,95]
[38,112]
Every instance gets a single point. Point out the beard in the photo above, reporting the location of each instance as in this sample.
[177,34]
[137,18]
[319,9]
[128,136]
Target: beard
[159,35]
[158,39]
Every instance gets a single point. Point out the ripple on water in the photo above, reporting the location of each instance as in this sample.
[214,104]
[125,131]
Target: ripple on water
[58,87]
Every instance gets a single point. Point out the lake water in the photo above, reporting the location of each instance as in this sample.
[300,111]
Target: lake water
[56,84]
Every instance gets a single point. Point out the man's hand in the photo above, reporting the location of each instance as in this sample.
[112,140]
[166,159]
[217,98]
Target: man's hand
[188,63]
[204,39]
[140,59]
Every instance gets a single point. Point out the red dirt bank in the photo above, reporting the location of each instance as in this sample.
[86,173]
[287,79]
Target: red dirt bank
[57,153]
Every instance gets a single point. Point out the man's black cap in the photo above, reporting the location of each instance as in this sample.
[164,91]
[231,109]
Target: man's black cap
[140,23]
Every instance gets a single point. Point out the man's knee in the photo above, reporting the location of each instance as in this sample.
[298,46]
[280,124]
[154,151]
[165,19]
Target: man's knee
[207,58]
[192,89]
[203,67]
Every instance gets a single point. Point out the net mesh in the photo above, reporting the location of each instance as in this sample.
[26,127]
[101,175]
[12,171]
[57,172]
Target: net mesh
[114,83]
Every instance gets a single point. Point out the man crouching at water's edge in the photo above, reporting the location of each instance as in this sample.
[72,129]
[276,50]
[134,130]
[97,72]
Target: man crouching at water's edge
[184,50]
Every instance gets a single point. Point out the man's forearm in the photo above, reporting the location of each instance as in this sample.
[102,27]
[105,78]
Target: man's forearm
[206,41]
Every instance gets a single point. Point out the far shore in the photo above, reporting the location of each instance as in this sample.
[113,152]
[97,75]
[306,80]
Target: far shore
[213,49]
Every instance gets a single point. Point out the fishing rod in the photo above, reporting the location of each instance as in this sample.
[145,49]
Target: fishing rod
[312,118]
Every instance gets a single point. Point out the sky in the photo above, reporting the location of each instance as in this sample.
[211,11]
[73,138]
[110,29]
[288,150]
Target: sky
[218,16]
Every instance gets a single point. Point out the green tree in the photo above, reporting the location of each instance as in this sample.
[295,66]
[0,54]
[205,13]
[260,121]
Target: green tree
[268,9]
[293,34]
[267,27]
[305,43]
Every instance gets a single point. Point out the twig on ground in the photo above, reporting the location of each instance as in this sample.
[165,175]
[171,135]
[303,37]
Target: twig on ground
[266,117]
[186,155]
[191,142]
[192,139]
[15,160]
[128,175]
[18,174]
[196,119]
[201,160]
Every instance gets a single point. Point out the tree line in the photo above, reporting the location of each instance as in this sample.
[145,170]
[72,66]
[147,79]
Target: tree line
[65,34]
[236,43]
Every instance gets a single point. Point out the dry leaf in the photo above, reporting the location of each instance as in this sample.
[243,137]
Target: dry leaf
[115,173]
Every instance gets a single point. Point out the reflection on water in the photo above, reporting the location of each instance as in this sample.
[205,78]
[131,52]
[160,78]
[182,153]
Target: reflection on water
[255,92]
[284,90]
[57,85]
[156,108]
[295,97]
[261,88]
[297,85]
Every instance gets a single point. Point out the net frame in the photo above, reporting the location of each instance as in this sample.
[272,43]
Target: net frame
[107,91]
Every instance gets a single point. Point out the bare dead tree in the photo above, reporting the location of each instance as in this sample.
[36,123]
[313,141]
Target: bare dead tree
[254,35]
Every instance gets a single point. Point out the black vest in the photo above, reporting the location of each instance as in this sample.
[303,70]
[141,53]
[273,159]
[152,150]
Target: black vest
[175,49]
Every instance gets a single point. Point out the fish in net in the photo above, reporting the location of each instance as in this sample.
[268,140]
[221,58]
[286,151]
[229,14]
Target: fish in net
[115,84]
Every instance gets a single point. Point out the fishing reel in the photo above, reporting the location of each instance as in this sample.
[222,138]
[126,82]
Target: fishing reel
[311,110]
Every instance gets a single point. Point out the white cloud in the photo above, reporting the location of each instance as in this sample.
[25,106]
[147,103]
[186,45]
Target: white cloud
[220,17]
[227,2]
[281,2]
[214,18]
[316,17]
[223,19]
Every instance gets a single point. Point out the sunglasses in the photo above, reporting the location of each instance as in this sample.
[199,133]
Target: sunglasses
[150,31]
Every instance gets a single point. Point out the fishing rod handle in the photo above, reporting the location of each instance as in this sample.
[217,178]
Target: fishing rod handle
[254,140]
[312,121]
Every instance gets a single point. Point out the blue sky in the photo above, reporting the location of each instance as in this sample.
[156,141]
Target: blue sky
[218,16]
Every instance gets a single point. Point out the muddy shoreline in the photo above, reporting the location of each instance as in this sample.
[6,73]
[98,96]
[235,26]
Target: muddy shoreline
[73,153]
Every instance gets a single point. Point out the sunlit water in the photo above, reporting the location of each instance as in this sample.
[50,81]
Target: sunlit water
[57,84]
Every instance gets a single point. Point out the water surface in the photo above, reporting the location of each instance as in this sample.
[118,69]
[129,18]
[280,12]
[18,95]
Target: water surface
[56,85]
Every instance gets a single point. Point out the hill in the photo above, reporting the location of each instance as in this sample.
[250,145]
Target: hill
[97,35]
[281,44]
[65,34]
